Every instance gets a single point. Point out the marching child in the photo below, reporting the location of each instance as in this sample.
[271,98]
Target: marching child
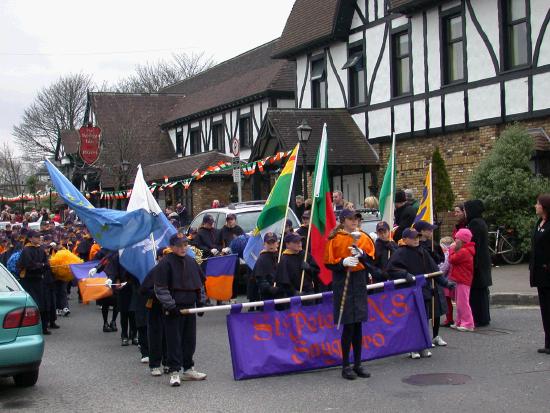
[461,258]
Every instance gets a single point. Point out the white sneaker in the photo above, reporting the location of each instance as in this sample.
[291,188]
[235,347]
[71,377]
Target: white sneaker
[438,341]
[453,326]
[66,312]
[145,359]
[415,355]
[58,312]
[465,329]
[425,353]
[192,375]
[175,379]
[156,371]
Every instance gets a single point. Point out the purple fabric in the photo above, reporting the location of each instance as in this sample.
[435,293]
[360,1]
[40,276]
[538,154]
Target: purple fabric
[80,271]
[304,337]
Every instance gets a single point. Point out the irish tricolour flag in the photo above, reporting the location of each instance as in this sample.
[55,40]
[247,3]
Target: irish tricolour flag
[323,219]
[387,192]
[273,215]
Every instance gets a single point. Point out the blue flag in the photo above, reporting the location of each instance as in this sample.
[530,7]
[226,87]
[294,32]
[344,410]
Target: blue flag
[111,229]
[138,259]
[252,250]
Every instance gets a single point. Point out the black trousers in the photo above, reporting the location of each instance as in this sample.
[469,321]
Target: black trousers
[352,335]
[61,295]
[544,301]
[479,303]
[127,316]
[156,337]
[181,340]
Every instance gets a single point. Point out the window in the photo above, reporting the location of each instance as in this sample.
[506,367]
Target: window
[401,63]
[245,133]
[515,33]
[318,84]
[195,141]
[356,72]
[453,49]
[218,137]
[179,141]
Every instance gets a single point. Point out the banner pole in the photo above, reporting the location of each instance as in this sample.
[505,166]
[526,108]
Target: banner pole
[310,297]
[307,241]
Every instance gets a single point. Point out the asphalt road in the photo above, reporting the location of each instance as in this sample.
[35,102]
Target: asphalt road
[86,370]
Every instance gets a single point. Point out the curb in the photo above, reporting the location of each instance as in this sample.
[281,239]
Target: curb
[515,299]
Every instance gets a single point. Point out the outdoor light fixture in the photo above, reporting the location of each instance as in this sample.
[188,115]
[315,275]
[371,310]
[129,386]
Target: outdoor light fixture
[125,165]
[304,131]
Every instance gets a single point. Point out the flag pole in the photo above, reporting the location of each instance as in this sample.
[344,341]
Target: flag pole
[288,203]
[392,182]
[433,246]
[307,240]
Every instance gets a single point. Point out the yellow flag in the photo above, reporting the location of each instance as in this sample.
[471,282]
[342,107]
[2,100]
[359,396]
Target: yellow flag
[425,209]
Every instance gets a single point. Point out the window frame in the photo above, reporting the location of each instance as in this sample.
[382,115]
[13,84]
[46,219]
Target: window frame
[446,42]
[191,141]
[218,124]
[179,141]
[356,50]
[505,31]
[396,33]
[319,98]
[245,145]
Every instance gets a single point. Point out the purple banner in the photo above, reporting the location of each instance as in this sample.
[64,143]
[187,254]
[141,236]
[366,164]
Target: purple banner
[304,337]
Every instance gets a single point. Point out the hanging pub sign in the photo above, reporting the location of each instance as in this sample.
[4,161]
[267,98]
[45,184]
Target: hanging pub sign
[89,143]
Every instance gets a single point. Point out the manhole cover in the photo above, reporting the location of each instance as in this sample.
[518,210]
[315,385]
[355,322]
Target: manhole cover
[437,379]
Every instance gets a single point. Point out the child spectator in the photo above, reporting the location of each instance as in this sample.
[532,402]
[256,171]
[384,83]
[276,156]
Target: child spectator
[461,258]
[445,268]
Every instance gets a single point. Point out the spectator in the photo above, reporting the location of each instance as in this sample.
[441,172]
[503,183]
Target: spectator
[410,198]
[182,214]
[460,218]
[405,214]
[338,201]
[371,202]
[299,206]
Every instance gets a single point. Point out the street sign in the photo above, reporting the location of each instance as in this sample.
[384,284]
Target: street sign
[236,169]
[235,147]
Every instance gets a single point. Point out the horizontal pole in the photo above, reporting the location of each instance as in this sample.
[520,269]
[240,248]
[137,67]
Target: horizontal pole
[308,297]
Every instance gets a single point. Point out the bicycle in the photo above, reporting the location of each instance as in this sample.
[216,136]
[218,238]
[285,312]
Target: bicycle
[503,242]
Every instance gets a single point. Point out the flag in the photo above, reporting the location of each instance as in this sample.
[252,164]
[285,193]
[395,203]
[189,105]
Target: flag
[273,214]
[111,228]
[220,272]
[91,288]
[138,259]
[80,271]
[323,219]
[425,209]
[387,191]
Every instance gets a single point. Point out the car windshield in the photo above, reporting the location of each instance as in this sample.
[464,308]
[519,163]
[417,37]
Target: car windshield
[247,220]
[7,282]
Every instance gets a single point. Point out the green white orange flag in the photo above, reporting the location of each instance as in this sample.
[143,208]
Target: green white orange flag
[323,219]
[387,192]
[273,214]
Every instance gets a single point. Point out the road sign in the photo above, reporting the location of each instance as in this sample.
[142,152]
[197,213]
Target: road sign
[235,147]
[236,169]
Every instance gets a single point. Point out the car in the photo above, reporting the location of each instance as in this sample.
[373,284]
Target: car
[21,340]
[369,219]
[247,215]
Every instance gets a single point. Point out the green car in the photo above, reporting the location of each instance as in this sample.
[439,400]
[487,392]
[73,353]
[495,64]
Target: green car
[21,341]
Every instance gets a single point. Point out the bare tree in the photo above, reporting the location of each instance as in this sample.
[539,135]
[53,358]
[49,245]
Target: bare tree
[151,77]
[12,171]
[56,107]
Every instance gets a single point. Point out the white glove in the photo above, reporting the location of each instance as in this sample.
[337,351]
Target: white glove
[226,250]
[355,251]
[92,272]
[214,251]
[108,282]
[350,262]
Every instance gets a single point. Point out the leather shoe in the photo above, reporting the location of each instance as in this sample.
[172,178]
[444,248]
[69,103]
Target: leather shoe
[46,332]
[544,350]
[361,372]
[107,328]
[348,374]
[125,342]
[54,326]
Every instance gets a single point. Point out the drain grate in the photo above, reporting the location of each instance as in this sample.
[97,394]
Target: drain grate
[437,379]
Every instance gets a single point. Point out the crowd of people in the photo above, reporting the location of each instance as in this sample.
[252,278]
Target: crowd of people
[151,311]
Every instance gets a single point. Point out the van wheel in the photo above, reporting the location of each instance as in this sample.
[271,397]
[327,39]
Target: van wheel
[26,379]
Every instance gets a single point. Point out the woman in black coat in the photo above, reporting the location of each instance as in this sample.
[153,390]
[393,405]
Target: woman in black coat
[479,293]
[539,266]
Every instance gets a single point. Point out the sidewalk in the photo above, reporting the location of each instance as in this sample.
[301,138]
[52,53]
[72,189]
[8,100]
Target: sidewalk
[511,286]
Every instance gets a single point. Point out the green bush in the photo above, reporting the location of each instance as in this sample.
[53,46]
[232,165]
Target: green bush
[506,183]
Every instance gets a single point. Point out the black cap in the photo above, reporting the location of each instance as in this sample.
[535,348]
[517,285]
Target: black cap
[400,196]
[178,239]
[33,234]
[410,233]
[230,216]
[271,237]
[382,226]
[424,225]
[293,237]
[208,219]
[349,213]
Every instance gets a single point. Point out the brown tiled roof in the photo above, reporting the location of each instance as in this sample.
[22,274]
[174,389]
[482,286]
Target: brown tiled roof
[406,6]
[249,75]
[130,131]
[70,139]
[541,139]
[185,166]
[347,146]
[312,23]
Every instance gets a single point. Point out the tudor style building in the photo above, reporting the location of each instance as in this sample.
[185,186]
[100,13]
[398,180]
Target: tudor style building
[448,73]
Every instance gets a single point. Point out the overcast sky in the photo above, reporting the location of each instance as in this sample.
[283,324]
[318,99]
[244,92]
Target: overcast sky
[43,40]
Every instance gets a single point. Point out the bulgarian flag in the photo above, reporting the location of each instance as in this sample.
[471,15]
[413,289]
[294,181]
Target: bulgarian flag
[273,215]
[323,219]
[387,192]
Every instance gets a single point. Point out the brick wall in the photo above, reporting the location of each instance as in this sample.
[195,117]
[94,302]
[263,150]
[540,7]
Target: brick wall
[210,188]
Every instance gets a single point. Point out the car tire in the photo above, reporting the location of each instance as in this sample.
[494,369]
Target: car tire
[27,379]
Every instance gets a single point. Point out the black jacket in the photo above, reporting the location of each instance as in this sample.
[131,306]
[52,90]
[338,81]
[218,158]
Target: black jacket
[264,272]
[383,251]
[206,240]
[436,252]
[177,282]
[404,218]
[289,273]
[226,235]
[480,236]
[539,265]
[33,262]
[302,231]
